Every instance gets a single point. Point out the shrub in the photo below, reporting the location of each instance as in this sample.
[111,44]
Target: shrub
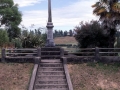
[90,35]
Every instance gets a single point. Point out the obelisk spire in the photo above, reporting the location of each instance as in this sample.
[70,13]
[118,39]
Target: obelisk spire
[49,11]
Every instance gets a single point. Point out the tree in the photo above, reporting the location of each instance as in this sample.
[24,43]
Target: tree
[61,33]
[10,17]
[71,32]
[91,35]
[3,37]
[109,13]
[65,33]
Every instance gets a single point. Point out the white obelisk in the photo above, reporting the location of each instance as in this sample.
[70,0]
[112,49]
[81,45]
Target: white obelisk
[50,41]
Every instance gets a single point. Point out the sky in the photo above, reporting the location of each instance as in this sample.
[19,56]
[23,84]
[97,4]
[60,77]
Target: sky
[66,14]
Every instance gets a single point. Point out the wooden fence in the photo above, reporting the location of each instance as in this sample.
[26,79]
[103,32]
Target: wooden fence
[20,53]
[83,52]
[98,53]
[95,54]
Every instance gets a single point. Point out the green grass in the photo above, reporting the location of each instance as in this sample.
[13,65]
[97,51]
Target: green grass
[111,67]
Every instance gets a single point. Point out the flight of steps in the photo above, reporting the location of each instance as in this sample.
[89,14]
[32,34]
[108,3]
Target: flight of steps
[50,75]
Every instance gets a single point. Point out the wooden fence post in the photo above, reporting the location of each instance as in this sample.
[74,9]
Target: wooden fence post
[97,55]
[61,52]
[3,56]
[39,52]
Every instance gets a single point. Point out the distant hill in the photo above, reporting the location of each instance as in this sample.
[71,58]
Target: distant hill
[65,40]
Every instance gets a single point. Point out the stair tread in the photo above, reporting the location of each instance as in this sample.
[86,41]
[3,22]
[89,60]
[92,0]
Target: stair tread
[53,89]
[51,84]
[50,80]
[51,60]
[50,67]
[51,63]
[51,75]
[50,71]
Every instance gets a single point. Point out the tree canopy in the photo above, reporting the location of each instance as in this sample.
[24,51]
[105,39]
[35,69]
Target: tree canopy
[109,13]
[11,17]
[3,37]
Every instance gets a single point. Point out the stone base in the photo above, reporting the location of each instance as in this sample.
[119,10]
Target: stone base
[50,43]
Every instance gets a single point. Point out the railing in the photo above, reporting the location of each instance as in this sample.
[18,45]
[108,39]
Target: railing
[104,52]
[19,53]
[100,51]
[83,52]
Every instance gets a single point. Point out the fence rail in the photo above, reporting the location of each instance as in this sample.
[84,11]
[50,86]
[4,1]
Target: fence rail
[19,53]
[83,52]
[97,52]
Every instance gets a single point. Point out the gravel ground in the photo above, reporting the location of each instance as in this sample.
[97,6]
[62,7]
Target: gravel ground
[14,76]
[88,76]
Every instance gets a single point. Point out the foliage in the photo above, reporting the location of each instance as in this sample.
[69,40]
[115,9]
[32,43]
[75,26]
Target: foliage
[44,38]
[3,37]
[71,32]
[10,17]
[60,33]
[17,42]
[109,13]
[65,33]
[91,35]
[32,39]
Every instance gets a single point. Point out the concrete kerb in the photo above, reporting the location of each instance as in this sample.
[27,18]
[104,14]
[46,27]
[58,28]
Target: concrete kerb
[70,86]
[37,60]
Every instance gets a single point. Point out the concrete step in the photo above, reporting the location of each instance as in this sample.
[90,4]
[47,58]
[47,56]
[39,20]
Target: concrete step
[37,80]
[51,73]
[50,69]
[59,86]
[50,77]
[51,82]
[53,89]
[51,65]
[50,61]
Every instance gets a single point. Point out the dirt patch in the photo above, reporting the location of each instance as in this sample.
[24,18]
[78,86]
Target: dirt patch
[14,76]
[86,77]
[65,40]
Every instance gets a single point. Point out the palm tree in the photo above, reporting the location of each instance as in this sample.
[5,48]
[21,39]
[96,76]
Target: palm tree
[109,15]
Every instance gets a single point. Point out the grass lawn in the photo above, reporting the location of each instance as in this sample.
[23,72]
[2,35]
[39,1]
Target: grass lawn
[90,76]
[14,76]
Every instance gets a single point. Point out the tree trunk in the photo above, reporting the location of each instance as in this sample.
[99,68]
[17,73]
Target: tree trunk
[111,38]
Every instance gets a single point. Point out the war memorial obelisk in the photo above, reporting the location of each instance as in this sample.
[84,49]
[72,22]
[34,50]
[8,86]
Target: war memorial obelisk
[50,41]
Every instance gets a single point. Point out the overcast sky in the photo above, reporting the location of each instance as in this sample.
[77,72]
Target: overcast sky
[66,13]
